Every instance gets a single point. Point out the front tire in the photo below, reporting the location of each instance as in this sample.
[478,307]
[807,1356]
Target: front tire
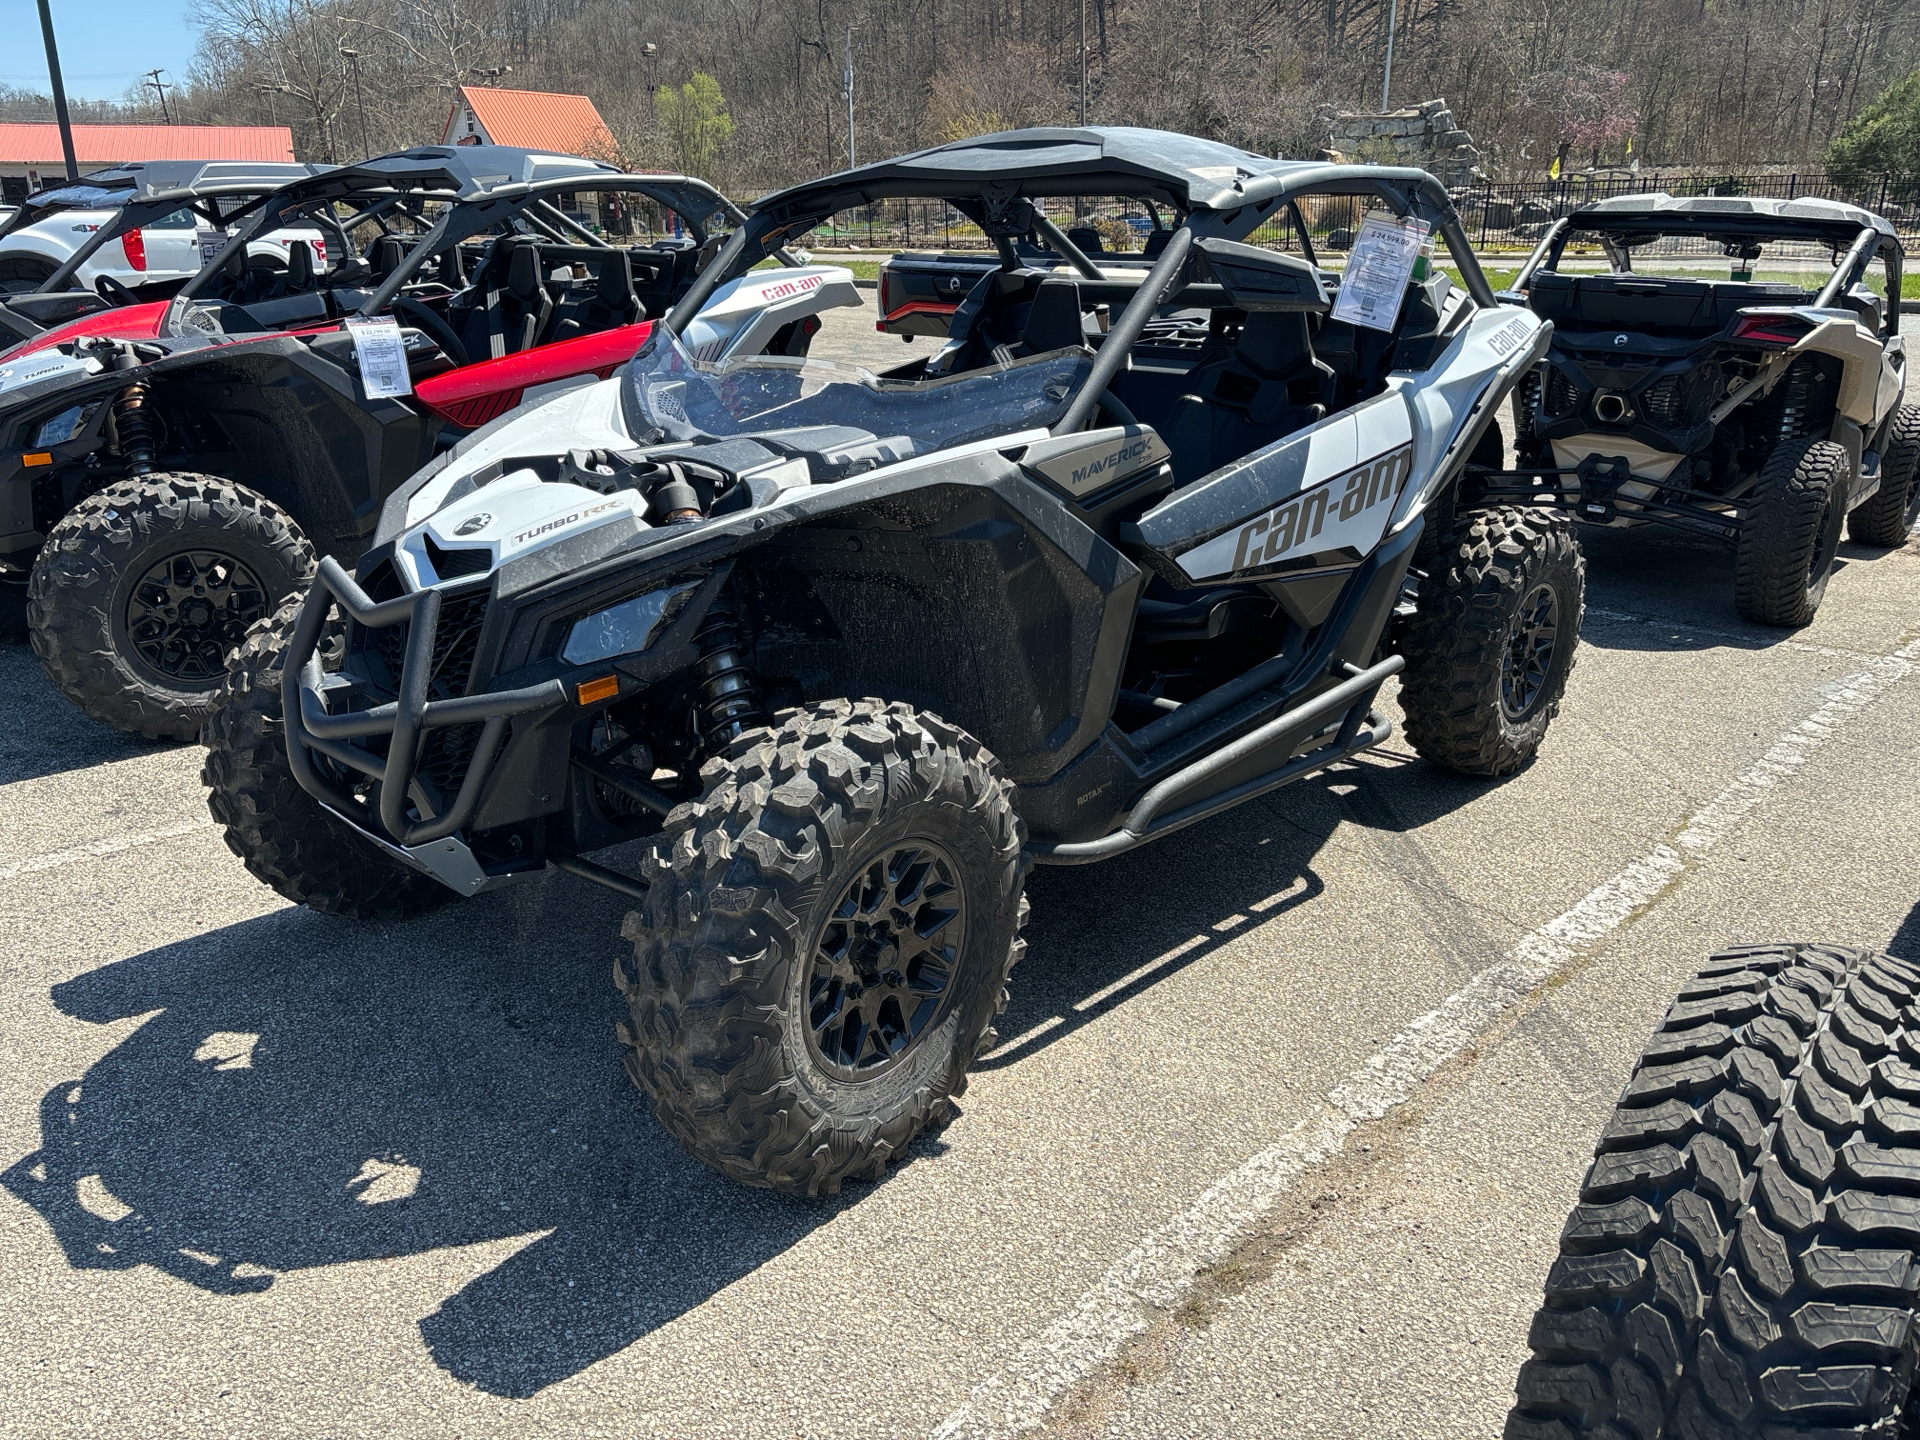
[279,831]
[825,945]
[1492,640]
[1888,518]
[1792,533]
[1738,1262]
[143,589]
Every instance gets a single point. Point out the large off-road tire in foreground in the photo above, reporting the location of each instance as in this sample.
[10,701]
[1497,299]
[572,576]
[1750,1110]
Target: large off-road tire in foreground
[1492,640]
[1742,1259]
[281,833]
[1888,518]
[825,944]
[143,589]
[1792,533]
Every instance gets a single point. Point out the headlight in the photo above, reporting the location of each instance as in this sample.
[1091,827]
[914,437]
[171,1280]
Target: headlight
[626,628]
[62,427]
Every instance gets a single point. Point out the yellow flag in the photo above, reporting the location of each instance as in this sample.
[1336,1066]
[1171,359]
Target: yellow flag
[1553,170]
[1629,144]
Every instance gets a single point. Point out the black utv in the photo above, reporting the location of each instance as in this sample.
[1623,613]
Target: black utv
[1761,406]
[847,652]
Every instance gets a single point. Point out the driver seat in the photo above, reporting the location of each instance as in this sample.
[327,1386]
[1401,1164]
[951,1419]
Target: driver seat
[1270,386]
[610,304]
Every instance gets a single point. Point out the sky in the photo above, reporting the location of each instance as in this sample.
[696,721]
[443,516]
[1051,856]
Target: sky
[105,45]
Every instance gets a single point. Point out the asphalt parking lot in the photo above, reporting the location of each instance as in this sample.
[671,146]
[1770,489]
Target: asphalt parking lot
[1285,1120]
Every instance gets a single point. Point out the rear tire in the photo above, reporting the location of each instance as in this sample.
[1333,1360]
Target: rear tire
[23,274]
[1792,533]
[1493,640]
[1888,518]
[143,589]
[819,881]
[1739,1261]
[280,831]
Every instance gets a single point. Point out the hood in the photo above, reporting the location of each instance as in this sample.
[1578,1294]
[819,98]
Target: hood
[129,322]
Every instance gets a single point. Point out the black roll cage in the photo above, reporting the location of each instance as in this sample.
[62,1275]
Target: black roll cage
[782,217]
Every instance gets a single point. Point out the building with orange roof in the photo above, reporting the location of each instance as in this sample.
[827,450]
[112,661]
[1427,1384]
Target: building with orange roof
[532,119]
[30,154]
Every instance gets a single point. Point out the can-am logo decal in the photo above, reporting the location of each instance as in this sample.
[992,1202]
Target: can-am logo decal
[792,287]
[560,522]
[473,525]
[1507,338]
[1290,528]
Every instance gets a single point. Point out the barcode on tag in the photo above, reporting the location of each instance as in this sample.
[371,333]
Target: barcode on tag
[382,357]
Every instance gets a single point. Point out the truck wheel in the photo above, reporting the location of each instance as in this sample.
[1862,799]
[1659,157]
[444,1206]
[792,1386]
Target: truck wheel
[826,942]
[281,833]
[1739,1261]
[1792,533]
[23,274]
[1887,519]
[1492,640]
[142,590]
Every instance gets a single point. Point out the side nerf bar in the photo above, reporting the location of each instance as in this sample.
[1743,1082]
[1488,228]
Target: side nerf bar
[311,729]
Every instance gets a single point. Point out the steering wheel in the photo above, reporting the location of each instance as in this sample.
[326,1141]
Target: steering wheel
[113,292]
[437,329]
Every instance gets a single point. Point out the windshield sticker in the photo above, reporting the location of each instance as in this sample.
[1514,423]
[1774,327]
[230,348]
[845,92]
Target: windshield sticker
[382,357]
[1378,269]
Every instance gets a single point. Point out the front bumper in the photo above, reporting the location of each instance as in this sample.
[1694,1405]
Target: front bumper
[427,838]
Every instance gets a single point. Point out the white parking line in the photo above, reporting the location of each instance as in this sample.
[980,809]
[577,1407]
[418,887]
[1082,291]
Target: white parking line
[96,849]
[1158,1271]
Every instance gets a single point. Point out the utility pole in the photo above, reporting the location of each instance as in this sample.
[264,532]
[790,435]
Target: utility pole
[59,92]
[850,160]
[1083,63]
[154,82]
[352,57]
[1386,81]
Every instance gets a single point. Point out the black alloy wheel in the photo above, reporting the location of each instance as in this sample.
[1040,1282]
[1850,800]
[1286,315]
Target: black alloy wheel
[883,967]
[189,610]
[1536,631]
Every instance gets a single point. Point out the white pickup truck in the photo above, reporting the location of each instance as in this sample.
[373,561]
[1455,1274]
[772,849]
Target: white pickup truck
[141,248]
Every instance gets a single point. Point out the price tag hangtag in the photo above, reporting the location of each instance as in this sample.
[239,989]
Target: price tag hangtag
[382,357]
[210,243]
[1378,269]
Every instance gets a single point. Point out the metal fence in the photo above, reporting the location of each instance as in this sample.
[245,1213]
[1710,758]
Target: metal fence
[1497,216]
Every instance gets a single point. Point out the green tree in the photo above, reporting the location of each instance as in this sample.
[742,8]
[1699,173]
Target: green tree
[695,121]
[1883,138]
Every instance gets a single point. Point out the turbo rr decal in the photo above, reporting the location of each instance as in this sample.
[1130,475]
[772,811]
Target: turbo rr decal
[1347,512]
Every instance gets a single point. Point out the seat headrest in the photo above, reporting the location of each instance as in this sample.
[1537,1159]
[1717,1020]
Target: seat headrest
[523,272]
[1053,319]
[615,285]
[1087,239]
[299,265]
[387,252]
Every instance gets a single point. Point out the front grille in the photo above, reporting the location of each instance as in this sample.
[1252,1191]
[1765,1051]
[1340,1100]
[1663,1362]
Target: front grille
[458,562]
[456,644]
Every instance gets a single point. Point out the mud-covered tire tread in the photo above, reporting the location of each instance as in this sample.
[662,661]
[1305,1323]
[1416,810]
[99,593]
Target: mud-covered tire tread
[280,832]
[79,568]
[1455,644]
[1887,519]
[1784,530]
[731,880]
[1739,1262]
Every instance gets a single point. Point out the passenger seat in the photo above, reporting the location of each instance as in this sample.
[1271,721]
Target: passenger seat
[1271,386]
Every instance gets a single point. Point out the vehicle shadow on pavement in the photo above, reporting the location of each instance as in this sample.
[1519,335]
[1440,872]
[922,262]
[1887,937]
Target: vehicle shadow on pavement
[1906,940]
[304,1092]
[1670,592]
[1104,934]
[44,733]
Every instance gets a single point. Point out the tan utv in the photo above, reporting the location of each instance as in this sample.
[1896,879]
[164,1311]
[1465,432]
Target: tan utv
[1735,370]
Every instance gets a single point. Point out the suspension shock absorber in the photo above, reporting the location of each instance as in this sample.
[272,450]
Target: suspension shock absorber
[727,703]
[133,421]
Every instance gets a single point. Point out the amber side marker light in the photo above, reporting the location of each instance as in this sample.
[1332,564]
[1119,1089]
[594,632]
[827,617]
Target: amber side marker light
[605,688]
[38,457]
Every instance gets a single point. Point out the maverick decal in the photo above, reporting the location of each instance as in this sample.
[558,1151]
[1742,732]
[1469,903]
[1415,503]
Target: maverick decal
[1347,512]
[1094,467]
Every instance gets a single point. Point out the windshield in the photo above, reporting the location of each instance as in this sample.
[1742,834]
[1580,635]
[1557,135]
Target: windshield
[670,393]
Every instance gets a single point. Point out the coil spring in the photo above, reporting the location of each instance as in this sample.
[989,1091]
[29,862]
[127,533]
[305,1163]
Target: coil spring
[728,703]
[135,428]
[1797,400]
